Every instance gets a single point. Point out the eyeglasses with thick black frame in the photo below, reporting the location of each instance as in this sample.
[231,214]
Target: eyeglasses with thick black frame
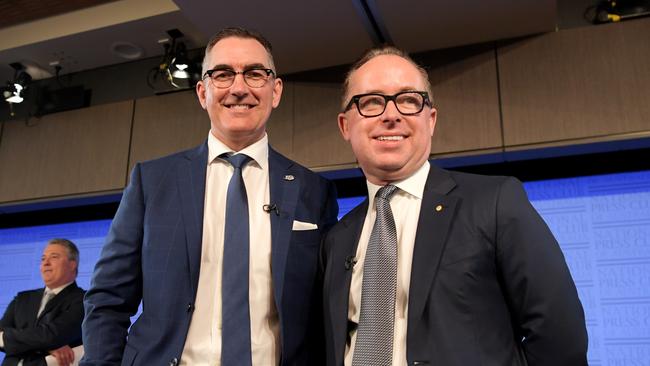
[224,78]
[374,104]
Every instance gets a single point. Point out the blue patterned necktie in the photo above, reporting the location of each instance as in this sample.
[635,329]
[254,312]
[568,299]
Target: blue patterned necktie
[235,312]
[374,345]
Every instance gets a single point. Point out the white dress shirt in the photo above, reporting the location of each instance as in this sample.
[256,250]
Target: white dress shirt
[203,343]
[405,204]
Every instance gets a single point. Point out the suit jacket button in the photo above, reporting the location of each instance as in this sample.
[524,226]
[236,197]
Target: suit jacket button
[173,362]
[190,308]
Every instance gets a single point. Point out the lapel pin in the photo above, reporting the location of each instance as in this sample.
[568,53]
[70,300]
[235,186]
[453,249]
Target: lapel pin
[289,177]
[439,208]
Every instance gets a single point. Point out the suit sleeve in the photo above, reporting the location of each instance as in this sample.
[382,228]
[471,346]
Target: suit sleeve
[540,291]
[48,334]
[116,286]
[7,320]
[330,209]
[328,218]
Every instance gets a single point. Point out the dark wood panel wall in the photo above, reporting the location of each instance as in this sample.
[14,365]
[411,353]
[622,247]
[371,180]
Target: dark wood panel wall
[561,88]
[165,124]
[465,94]
[579,84]
[71,153]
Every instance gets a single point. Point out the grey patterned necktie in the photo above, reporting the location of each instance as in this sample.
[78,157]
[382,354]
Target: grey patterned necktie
[374,346]
[46,298]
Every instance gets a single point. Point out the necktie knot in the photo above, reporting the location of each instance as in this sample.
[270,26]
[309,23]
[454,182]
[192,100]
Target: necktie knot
[237,160]
[386,191]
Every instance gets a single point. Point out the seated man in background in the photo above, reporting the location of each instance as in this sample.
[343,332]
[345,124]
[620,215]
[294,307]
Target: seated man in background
[46,321]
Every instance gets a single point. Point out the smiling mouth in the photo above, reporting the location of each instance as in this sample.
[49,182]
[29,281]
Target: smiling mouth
[239,106]
[390,138]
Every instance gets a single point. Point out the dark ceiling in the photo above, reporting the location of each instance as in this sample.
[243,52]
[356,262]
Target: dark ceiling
[306,34]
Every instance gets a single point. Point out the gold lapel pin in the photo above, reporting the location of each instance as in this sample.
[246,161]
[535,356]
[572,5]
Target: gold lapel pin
[439,208]
[289,177]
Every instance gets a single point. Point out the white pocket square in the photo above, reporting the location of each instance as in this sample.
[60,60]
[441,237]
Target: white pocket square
[299,225]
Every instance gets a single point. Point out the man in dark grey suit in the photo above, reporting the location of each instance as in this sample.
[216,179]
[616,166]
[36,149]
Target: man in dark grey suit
[46,321]
[173,239]
[437,267]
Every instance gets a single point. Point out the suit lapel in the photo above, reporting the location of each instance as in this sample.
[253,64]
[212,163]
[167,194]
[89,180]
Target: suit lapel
[284,188]
[35,298]
[55,301]
[435,219]
[191,187]
[339,276]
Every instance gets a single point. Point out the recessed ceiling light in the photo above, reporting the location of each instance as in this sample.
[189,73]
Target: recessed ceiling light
[127,50]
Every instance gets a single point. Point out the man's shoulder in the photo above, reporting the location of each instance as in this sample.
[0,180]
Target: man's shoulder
[74,288]
[477,180]
[30,292]
[465,181]
[26,294]
[479,189]
[165,160]
[157,167]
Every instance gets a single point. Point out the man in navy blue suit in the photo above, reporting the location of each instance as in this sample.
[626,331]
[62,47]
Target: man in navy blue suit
[167,244]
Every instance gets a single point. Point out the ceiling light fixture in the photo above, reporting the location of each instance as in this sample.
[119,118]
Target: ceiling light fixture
[179,68]
[127,50]
[14,93]
[175,67]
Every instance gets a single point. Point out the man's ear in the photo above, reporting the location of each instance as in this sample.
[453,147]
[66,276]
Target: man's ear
[200,92]
[343,126]
[433,119]
[277,91]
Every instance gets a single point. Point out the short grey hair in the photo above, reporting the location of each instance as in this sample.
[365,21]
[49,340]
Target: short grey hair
[238,32]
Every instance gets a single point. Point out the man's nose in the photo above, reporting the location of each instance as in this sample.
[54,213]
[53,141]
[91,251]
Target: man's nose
[239,86]
[391,114]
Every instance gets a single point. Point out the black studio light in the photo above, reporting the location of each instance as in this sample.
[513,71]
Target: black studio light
[175,67]
[15,90]
[180,66]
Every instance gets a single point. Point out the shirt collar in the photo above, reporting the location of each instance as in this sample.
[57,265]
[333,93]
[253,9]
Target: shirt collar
[258,151]
[57,289]
[413,185]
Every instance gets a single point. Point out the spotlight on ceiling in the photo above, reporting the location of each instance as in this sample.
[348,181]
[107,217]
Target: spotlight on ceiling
[14,93]
[175,67]
[179,68]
